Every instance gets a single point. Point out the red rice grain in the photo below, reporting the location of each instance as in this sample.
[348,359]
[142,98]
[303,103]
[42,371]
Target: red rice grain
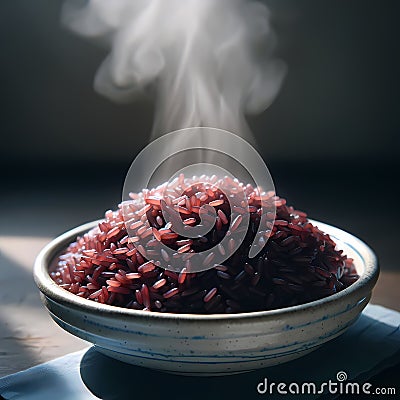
[159,283]
[171,293]
[182,276]
[210,295]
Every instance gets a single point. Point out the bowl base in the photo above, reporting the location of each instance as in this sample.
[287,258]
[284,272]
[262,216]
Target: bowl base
[204,368]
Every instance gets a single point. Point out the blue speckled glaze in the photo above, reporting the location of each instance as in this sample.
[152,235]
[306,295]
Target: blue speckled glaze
[324,317]
[235,360]
[225,336]
[262,353]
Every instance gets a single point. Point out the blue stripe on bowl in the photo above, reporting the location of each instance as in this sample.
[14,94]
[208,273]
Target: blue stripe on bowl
[237,359]
[262,354]
[348,308]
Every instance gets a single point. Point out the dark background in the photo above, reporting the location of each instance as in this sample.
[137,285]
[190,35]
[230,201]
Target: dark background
[330,139]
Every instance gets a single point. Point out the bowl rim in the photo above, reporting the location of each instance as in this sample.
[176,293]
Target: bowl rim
[53,291]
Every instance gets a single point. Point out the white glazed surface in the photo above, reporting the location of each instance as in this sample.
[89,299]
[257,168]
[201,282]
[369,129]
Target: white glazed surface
[209,344]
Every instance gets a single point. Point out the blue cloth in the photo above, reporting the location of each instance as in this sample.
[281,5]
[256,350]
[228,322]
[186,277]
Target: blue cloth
[371,345]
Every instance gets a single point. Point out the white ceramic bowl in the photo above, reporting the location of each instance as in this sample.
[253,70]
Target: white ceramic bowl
[208,344]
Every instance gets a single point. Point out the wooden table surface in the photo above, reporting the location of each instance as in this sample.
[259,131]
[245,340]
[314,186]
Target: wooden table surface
[28,336]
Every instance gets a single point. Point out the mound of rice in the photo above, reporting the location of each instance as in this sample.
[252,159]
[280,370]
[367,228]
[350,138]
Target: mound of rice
[298,264]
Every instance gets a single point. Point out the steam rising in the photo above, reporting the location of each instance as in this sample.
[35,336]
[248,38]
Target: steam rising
[208,61]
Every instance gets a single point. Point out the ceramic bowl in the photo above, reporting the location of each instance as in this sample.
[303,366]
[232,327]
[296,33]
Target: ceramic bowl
[208,344]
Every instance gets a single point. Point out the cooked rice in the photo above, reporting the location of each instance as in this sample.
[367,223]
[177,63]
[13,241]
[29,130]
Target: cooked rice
[298,264]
